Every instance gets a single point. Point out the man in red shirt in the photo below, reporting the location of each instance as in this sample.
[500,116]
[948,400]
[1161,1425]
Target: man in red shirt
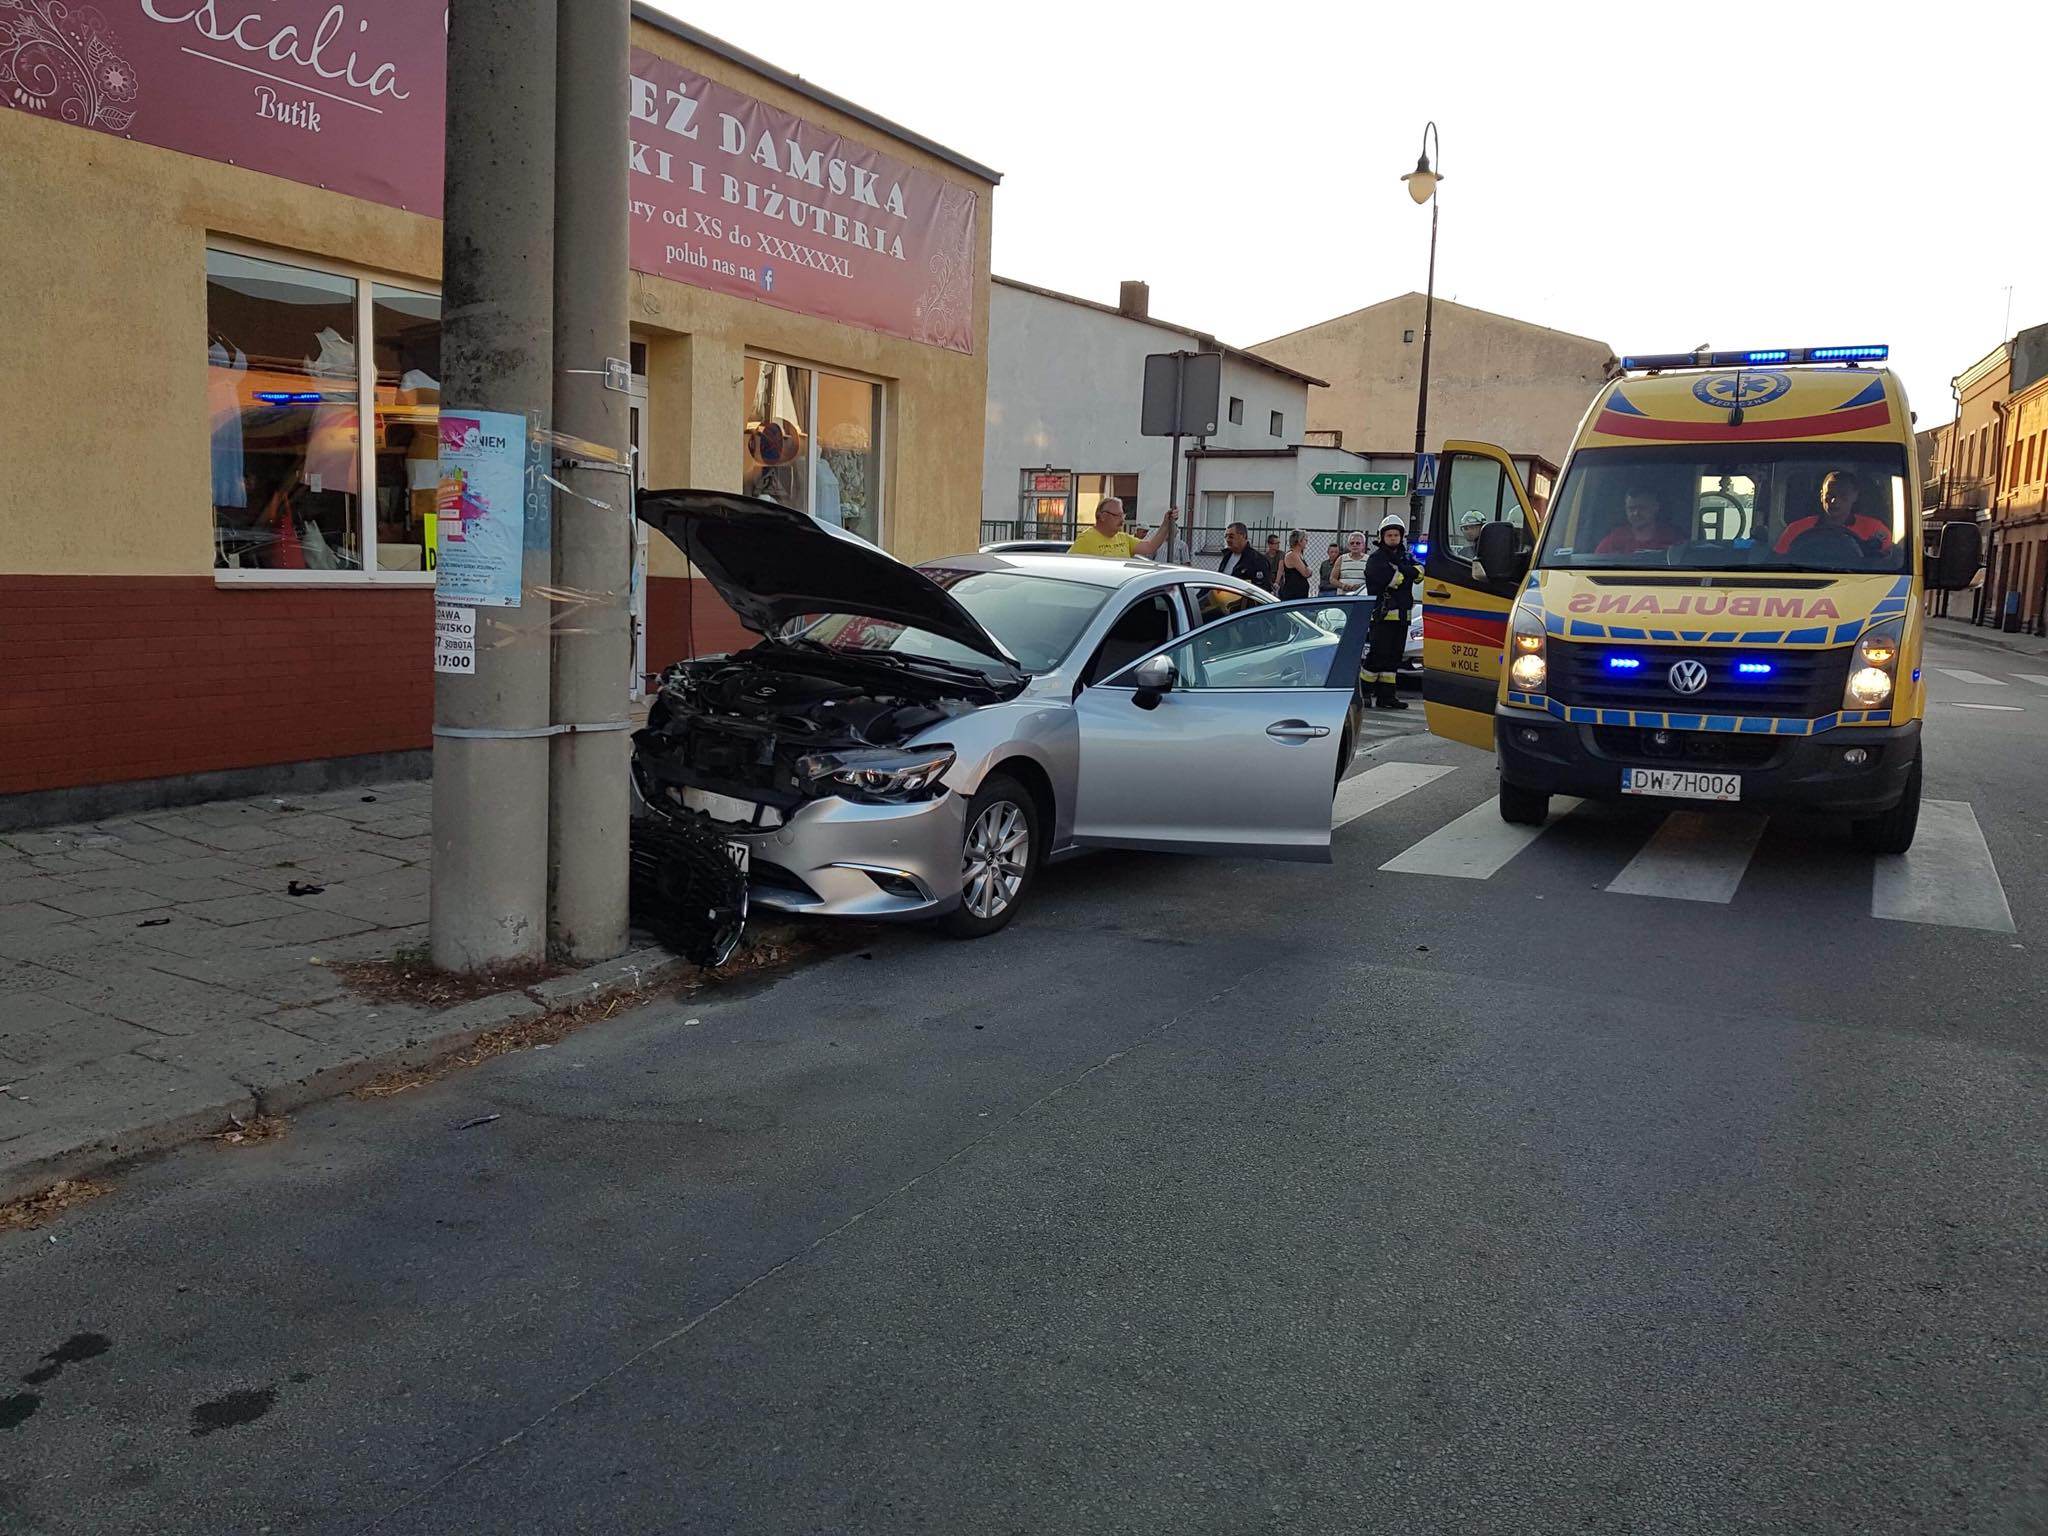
[1644,530]
[1838,496]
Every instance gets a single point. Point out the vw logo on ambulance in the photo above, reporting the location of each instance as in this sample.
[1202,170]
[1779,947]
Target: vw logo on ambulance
[1688,677]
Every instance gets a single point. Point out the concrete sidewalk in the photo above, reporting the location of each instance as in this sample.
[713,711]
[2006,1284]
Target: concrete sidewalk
[158,975]
[1984,635]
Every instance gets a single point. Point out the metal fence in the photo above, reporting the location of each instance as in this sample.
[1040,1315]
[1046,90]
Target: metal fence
[1205,540]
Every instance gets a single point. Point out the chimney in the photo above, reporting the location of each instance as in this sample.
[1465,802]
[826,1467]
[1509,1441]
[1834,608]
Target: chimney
[1134,300]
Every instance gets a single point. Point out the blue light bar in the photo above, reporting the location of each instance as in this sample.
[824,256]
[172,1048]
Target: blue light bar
[1624,663]
[1650,362]
[290,397]
[1753,668]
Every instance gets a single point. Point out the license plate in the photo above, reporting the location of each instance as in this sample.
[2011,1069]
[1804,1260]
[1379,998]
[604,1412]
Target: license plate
[739,854]
[1681,784]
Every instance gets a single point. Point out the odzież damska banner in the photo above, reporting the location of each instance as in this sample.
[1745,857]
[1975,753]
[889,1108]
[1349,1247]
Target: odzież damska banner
[732,195]
[344,94]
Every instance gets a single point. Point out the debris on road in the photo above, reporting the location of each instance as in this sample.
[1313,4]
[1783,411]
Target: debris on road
[470,1125]
[410,976]
[39,1209]
[243,1133]
[302,888]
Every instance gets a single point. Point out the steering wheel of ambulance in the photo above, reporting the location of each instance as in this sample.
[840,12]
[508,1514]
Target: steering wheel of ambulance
[1834,546]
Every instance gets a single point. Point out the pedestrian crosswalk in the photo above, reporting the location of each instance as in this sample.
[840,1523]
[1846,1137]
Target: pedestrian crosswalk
[1974,679]
[1949,879]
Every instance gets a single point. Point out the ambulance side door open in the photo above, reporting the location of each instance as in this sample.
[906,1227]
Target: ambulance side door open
[1465,606]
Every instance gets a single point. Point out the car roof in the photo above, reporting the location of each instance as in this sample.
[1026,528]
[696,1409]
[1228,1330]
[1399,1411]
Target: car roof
[1092,570]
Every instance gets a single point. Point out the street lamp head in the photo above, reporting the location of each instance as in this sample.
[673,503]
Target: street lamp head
[1422,181]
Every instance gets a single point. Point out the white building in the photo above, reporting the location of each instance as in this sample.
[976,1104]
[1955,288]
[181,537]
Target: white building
[1065,383]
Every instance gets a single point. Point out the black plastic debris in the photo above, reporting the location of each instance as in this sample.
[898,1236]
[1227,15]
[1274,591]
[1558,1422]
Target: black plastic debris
[688,888]
[303,888]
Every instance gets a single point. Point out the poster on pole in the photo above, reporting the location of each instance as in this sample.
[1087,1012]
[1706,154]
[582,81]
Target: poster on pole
[481,508]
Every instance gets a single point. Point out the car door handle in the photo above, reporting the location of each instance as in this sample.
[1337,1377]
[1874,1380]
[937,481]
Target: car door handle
[1296,730]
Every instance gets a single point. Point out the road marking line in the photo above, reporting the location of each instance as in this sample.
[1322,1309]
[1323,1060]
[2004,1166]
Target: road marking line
[1380,786]
[1948,878]
[2011,709]
[1477,845]
[1693,857]
[2033,677]
[1977,679]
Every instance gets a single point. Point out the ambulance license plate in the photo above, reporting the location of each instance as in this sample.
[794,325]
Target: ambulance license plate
[1681,784]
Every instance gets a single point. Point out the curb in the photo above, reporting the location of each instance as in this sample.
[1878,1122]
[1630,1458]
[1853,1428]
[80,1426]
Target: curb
[1968,635]
[440,1035]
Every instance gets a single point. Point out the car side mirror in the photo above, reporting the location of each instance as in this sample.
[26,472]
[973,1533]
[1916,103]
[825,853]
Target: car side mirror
[1155,677]
[1500,552]
[1958,551]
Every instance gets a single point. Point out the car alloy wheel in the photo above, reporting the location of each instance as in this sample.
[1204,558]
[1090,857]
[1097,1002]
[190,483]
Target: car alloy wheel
[994,859]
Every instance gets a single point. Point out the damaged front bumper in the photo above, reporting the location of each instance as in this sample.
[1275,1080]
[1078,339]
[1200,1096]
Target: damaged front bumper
[832,857]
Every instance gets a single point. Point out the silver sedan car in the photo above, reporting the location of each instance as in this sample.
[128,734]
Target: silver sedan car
[917,742]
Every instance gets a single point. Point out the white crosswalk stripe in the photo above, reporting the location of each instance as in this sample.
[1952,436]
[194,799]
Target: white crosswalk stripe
[1974,679]
[1477,845]
[1693,857]
[1948,878]
[1379,786]
[2010,709]
[2040,679]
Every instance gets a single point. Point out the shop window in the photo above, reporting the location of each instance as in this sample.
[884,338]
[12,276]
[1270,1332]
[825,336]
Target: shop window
[813,441]
[297,487]
[1043,511]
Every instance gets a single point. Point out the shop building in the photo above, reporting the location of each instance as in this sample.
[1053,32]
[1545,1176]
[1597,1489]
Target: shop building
[1066,384]
[2017,558]
[221,256]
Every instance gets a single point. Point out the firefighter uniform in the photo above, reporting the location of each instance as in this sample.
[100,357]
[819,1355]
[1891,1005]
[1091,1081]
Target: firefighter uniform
[1392,576]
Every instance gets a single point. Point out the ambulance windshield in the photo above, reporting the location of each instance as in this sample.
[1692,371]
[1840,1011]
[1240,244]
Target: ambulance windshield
[1758,506]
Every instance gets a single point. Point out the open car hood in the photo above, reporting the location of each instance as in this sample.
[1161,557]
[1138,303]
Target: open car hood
[772,564]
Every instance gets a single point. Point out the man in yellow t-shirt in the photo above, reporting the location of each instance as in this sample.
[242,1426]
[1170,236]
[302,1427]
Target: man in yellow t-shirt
[1107,537]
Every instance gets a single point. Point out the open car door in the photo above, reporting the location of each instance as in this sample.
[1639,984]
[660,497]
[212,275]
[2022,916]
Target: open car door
[1465,608]
[1230,739]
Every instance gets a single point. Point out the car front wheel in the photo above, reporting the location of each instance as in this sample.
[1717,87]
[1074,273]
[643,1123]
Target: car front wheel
[998,857]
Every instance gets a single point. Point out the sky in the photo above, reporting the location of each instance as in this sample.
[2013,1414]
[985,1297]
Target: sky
[1790,174]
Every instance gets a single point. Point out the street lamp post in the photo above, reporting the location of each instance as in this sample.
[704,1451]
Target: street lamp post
[1422,187]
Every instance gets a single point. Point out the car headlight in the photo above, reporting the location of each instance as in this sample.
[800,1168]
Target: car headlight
[881,774]
[1528,671]
[1874,666]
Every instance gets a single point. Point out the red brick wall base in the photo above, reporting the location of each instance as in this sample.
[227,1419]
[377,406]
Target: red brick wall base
[107,679]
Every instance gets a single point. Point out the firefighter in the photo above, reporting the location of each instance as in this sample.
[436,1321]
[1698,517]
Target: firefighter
[1391,575]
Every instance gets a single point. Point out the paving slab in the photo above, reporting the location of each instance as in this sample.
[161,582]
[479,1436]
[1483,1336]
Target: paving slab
[105,901]
[155,977]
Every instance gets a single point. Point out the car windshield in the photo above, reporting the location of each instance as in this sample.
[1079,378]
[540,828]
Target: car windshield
[1038,618]
[1759,506]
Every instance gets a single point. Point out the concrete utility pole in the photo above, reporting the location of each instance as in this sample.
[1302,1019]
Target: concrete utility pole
[489,902]
[587,787]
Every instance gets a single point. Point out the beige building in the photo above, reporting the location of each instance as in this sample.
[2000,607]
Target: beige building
[1491,377]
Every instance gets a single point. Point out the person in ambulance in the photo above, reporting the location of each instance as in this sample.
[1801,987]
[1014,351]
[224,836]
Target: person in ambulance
[1837,515]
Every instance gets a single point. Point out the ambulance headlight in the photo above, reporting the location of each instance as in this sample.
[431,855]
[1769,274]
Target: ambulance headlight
[1869,687]
[1873,668]
[1528,671]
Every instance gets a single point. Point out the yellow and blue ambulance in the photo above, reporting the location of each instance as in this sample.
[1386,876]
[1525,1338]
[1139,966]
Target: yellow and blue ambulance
[1721,605]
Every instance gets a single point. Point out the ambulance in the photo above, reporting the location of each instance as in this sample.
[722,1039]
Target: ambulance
[1719,606]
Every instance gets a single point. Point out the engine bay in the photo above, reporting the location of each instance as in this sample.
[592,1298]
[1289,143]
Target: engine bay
[752,726]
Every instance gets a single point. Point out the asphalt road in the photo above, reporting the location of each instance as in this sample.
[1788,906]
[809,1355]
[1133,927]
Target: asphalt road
[1212,1196]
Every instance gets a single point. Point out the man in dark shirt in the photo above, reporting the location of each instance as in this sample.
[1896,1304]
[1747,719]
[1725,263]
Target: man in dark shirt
[1241,560]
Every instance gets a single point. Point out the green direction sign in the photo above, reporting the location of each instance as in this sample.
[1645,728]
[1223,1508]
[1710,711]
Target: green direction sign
[1359,485]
